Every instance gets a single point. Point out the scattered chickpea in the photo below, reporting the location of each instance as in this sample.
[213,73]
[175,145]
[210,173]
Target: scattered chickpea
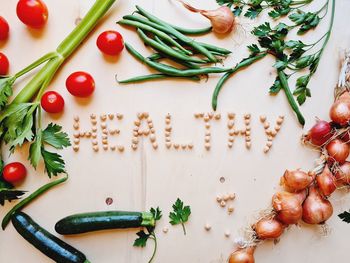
[167,134]
[120,116]
[266,149]
[207,138]
[167,139]
[230,145]
[236,132]
[165,230]
[206,118]
[95,148]
[94,142]
[76,141]
[230,209]
[227,233]
[134,147]
[88,135]
[152,138]
[273,133]
[207,146]
[217,116]
[167,121]
[76,135]
[230,124]
[152,130]
[76,118]
[105,147]
[190,146]
[207,133]
[92,116]
[232,196]
[76,148]
[201,114]
[103,117]
[263,118]
[248,145]
[176,146]
[168,128]
[135,140]
[196,115]
[94,135]
[111,116]
[94,122]
[231,133]
[269,144]
[113,147]
[231,139]
[146,132]
[140,115]
[104,131]
[222,203]
[137,123]
[277,127]
[226,198]
[94,129]
[219,198]
[266,125]
[105,141]
[135,134]
[207,126]
[121,148]
[168,145]
[82,134]
[150,125]
[231,115]
[155,145]
[76,126]
[207,227]
[243,131]
[247,133]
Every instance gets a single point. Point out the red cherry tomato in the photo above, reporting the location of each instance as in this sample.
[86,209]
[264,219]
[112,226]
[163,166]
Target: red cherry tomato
[80,84]
[32,13]
[4,65]
[4,29]
[52,102]
[110,42]
[14,172]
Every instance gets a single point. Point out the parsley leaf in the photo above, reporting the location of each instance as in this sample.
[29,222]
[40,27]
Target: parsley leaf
[6,84]
[141,241]
[345,216]
[180,214]
[53,136]
[7,193]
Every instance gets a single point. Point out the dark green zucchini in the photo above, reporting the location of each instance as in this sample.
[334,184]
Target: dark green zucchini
[47,243]
[87,222]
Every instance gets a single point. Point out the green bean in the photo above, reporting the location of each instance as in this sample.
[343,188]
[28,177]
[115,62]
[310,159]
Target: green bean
[167,28]
[215,48]
[284,83]
[153,77]
[181,62]
[244,63]
[156,32]
[155,56]
[188,31]
[171,70]
[166,50]
[29,199]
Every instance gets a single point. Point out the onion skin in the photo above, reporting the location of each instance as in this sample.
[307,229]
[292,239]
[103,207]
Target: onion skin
[343,174]
[268,228]
[316,209]
[295,181]
[340,112]
[338,151]
[222,19]
[326,182]
[288,206]
[320,133]
[244,255]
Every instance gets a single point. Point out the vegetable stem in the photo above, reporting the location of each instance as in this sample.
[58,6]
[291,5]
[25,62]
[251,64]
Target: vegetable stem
[26,201]
[153,236]
[284,83]
[183,228]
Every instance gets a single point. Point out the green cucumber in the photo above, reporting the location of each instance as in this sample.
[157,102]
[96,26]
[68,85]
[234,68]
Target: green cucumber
[95,221]
[44,241]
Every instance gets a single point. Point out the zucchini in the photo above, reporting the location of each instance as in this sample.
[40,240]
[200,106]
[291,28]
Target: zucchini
[95,221]
[51,246]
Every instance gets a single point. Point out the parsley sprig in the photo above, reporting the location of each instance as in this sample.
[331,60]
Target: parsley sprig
[148,233]
[292,56]
[180,214]
[345,216]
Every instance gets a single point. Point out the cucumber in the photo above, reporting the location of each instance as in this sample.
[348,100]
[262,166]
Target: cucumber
[95,221]
[51,246]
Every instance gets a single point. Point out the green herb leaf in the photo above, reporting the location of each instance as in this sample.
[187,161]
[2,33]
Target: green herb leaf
[6,84]
[276,87]
[180,214]
[7,193]
[141,241]
[157,213]
[280,65]
[237,11]
[53,136]
[253,12]
[54,164]
[35,150]
[345,216]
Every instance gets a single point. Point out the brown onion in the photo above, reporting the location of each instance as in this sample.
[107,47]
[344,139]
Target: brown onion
[222,19]
[340,112]
[268,228]
[288,206]
[343,174]
[344,96]
[338,151]
[326,182]
[244,255]
[297,180]
[316,209]
[320,133]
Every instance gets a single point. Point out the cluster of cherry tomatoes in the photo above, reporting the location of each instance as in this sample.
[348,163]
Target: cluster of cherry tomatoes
[34,14]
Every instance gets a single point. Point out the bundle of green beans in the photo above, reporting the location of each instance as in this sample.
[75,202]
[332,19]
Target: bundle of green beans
[171,42]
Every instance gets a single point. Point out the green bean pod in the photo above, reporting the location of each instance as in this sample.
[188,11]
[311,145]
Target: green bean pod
[156,32]
[166,50]
[151,77]
[244,63]
[169,70]
[167,28]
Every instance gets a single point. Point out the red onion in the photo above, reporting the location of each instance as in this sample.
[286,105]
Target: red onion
[320,133]
[297,180]
[222,19]
[244,255]
[343,174]
[338,151]
[268,228]
[340,112]
[288,206]
[326,182]
[316,209]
